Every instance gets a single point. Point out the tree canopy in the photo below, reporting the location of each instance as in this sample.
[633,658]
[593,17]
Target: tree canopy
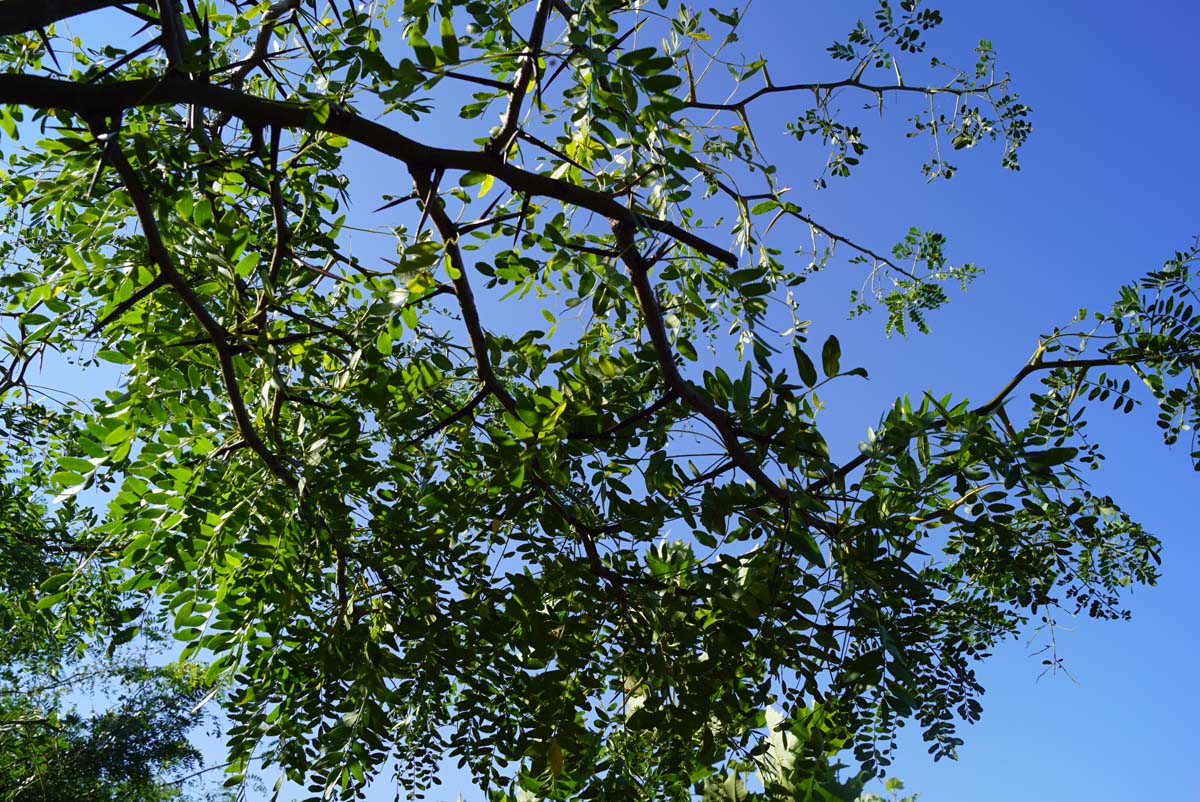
[522,470]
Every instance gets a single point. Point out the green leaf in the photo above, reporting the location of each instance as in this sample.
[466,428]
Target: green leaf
[246,265]
[76,464]
[202,212]
[831,356]
[383,341]
[74,257]
[56,583]
[115,357]
[66,478]
[422,50]
[805,366]
[49,601]
[806,545]
[7,124]
[1052,456]
[449,40]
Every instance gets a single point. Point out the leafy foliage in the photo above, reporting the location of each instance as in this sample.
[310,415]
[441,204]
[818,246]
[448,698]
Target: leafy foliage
[127,752]
[132,749]
[533,486]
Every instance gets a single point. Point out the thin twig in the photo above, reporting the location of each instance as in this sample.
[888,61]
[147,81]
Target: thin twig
[126,305]
[450,420]
[667,398]
[1035,365]
[854,83]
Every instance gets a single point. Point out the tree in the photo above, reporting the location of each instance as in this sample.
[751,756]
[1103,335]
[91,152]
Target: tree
[582,559]
[137,749]
[133,750]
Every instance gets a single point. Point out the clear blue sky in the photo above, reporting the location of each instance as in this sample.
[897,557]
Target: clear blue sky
[1108,191]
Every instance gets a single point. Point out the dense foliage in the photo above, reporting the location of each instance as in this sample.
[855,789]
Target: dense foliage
[536,485]
[137,750]
[76,725]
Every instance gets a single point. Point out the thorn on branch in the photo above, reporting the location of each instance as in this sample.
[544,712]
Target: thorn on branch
[503,139]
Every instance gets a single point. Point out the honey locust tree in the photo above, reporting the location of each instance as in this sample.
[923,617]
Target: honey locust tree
[517,471]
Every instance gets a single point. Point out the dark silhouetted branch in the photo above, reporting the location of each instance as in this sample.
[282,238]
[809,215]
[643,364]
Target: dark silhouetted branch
[216,332]
[174,88]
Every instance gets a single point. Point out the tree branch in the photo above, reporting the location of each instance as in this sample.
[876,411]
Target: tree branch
[47,93]
[503,139]
[449,233]
[1035,365]
[22,16]
[667,399]
[127,304]
[216,332]
[458,415]
[878,258]
[639,269]
[854,83]
[262,41]
[172,33]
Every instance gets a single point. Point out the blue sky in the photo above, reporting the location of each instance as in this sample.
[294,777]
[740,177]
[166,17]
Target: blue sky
[1107,192]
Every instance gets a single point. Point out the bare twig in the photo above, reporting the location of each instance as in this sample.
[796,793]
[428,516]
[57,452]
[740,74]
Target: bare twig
[491,83]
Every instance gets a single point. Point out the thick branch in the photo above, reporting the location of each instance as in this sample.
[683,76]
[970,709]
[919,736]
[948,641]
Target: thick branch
[283,233]
[639,269]
[173,39]
[21,16]
[216,333]
[508,129]
[49,93]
